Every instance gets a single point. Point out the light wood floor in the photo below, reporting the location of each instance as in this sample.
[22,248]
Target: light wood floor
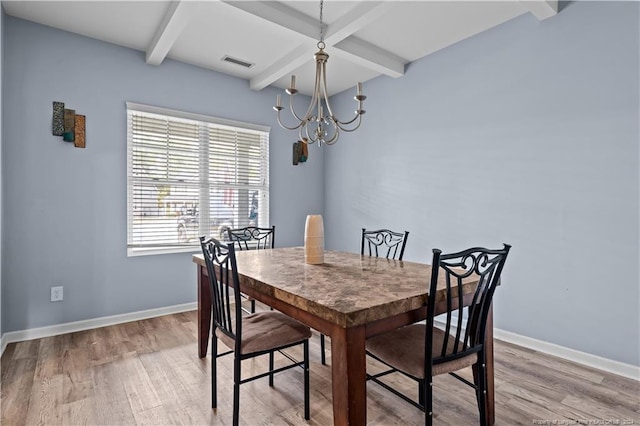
[148,372]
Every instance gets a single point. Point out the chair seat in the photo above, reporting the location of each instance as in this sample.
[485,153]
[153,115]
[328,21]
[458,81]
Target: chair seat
[265,331]
[403,349]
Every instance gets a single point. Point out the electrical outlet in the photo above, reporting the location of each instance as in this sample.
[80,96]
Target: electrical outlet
[56,294]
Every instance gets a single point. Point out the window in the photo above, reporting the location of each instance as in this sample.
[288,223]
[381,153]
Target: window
[190,175]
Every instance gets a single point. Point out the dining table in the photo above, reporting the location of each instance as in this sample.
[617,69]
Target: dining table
[349,297]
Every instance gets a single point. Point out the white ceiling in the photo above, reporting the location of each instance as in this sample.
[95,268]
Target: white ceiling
[364,39]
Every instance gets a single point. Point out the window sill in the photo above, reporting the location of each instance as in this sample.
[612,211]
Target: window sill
[149,251]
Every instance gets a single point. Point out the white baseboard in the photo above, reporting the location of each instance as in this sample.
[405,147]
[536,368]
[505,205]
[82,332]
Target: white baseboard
[3,343]
[70,327]
[595,361]
[583,358]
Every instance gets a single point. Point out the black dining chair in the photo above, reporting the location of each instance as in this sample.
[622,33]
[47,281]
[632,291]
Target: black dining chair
[249,238]
[385,240]
[247,336]
[421,351]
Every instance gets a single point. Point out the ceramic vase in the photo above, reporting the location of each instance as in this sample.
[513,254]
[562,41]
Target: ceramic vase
[314,240]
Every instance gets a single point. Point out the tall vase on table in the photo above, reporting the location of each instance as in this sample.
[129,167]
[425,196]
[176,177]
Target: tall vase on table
[314,240]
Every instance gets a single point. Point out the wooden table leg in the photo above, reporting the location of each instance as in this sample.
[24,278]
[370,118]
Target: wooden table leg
[204,311]
[348,376]
[491,403]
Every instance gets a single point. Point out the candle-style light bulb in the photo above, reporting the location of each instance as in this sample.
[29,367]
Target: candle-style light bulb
[359,89]
[278,100]
[293,82]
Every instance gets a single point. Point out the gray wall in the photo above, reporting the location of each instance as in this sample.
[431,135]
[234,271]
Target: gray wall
[64,215]
[526,134]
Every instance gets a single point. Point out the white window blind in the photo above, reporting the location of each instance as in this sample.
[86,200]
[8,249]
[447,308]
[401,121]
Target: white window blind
[191,175]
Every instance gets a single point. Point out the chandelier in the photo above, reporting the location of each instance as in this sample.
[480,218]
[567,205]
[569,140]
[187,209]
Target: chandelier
[316,125]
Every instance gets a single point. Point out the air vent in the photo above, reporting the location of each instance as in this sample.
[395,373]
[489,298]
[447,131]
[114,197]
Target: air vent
[237,61]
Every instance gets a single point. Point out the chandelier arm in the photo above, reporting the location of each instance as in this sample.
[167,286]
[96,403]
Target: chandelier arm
[330,118]
[340,125]
[293,112]
[315,99]
[307,115]
[345,123]
[300,137]
[285,126]
[336,132]
[310,138]
[324,91]
[333,138]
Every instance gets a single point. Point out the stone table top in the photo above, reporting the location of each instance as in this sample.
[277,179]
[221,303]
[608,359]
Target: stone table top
[347,289]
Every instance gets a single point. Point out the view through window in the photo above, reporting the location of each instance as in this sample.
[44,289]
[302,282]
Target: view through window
[191,175]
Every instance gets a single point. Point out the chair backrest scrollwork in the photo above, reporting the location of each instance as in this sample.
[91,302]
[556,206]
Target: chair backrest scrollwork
[384,239]
[252,237]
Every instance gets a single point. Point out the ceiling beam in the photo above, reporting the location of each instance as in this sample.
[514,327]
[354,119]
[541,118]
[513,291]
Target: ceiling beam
[174,21]
[359,17]
[340,36]
[541,9]
[283,66]
[279,14]
[370,56]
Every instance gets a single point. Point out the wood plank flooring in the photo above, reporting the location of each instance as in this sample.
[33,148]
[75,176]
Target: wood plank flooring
[148,373]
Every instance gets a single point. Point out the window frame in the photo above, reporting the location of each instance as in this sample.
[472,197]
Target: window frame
[204,122]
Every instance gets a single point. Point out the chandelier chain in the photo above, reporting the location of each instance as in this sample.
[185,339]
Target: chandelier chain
[321,42]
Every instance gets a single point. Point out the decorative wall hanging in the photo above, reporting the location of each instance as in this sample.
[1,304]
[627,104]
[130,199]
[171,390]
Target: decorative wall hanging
[68,124]
[58,119]
[79,141]
[300,152]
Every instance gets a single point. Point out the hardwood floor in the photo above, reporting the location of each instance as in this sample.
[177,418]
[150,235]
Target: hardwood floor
[148,372]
